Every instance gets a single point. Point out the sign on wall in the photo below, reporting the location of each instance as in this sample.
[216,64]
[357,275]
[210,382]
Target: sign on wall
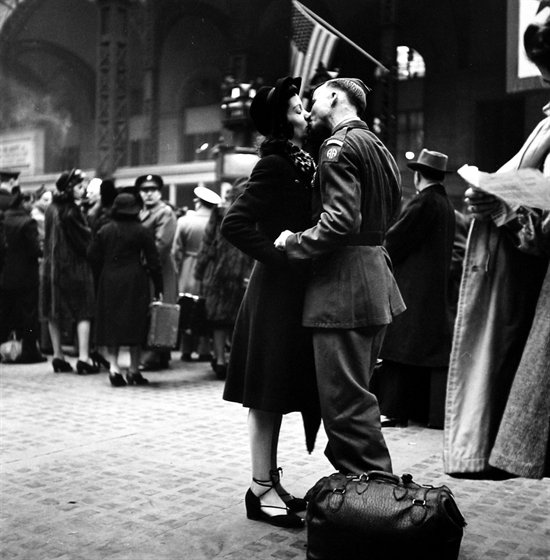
[23,151]
[522,75]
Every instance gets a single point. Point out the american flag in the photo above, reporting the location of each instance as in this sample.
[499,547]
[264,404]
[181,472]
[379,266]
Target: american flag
[310,44]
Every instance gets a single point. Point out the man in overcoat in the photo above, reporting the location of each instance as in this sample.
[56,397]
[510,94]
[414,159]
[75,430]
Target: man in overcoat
[352,295]
[159,218]
[417,344]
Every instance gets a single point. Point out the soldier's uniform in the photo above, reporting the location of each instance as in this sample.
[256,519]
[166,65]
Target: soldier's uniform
[352,295]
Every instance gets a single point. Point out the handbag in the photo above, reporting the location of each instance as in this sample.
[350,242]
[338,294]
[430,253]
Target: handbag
[379,516]
[193,318]
[10,351]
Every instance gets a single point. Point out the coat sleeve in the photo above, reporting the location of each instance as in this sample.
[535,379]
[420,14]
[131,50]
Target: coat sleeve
[411,228]
[208,247]
[79,235]
[257,202]
[341,207]
[32,239]
[164,232]
[151,254]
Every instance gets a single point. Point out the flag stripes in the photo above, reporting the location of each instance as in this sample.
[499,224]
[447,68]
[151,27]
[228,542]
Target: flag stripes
[311,43]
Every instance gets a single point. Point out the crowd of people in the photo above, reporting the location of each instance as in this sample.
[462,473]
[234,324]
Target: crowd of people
[337,302]
[82,261]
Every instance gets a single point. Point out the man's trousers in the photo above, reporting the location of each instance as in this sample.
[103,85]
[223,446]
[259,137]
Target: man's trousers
[345,360]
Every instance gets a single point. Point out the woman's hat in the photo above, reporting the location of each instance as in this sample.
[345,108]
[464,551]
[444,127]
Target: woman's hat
[207,195]
[430,160]
[69,179]
[267,102]
[149,181]
[126,204]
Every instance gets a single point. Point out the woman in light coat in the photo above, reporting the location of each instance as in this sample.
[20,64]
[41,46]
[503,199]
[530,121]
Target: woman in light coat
[500,300]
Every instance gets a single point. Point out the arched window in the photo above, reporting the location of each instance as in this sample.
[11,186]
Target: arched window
[410,64]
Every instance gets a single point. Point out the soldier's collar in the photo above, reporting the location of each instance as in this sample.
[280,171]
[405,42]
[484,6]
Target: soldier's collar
[353,123]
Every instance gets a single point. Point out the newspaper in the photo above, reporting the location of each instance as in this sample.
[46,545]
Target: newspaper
[522,187]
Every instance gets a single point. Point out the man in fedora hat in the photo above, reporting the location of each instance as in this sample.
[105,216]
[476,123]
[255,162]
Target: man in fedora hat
[352,295]
[158,217]
[187,240]
[417,345]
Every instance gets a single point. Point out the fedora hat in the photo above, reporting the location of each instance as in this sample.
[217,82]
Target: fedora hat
[126,204]
[267,102]
[429,159]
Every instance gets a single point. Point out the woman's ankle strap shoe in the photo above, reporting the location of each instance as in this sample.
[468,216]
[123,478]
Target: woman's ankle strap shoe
[60,365]
[116,380]
[135,378]
[84,368]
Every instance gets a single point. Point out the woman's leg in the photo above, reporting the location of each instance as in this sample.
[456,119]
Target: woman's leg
[55,335]
[263,431]
[219,337]
[111,353]
[135,357]
[83,333]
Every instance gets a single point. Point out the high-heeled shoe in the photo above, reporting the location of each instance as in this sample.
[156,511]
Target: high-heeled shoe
[84,368]
[292,503]
[60,365]
[99,361]
[116,379]
[254,510]
[135,378]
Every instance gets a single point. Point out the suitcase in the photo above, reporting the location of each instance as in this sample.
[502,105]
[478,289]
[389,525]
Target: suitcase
[163,325]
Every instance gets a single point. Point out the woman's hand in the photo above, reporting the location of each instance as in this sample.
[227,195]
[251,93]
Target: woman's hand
[481,204]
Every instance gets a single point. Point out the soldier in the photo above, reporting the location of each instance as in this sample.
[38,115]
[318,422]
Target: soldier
[352,295]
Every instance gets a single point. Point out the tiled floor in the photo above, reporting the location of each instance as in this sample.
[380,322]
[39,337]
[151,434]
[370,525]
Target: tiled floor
[160,472]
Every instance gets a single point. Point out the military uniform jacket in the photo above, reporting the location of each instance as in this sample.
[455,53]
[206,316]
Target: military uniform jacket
[356,191]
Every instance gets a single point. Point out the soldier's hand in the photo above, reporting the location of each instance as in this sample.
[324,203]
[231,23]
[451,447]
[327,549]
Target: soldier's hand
[280,242]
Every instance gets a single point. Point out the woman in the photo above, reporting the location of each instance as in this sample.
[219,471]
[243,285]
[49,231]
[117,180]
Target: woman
[498,388]
[67,288]
[42,199]
[222,271]
[19,278]
[271,368]
[123,295]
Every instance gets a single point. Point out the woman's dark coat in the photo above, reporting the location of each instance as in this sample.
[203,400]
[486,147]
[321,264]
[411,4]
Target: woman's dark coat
[271,365]
[124,291]
[19,277]
[420,245]
[67,288]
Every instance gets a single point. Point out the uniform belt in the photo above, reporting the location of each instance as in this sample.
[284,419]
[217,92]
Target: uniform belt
[366,238]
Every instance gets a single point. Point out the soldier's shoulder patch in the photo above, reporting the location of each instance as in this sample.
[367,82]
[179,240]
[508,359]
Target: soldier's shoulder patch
[332,148]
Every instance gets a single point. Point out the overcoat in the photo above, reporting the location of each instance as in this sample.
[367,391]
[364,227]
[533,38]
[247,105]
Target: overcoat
[352,284]
[23,250]
[19,276]
[222,270]
[498,295]
[190,230]
[420,244]
[67,286]
[123,295]
[271,365]
[161,221]
[522,443]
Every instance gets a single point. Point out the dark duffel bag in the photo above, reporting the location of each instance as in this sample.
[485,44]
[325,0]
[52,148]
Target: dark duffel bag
[379,516]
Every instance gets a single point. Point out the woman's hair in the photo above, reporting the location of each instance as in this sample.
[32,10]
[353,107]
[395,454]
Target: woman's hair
[282,129]
[536,41]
